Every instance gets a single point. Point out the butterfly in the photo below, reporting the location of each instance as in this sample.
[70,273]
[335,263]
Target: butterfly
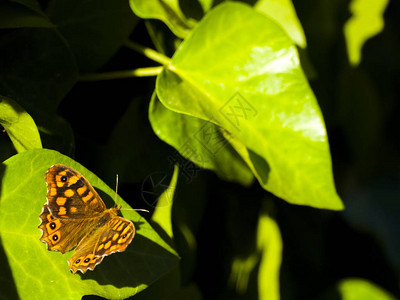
[76,217]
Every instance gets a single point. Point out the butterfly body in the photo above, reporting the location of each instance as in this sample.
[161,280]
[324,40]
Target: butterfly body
[76,217]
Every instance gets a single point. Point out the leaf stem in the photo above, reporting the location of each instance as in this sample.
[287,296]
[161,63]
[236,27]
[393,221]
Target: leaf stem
[140,72]
[149,53]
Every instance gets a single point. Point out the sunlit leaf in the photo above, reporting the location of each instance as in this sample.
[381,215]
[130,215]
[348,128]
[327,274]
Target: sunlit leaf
[119,276]
[270,244]
[19,125]
[162,212]
[366,22]
[357,288]
[284,13]
[252,86]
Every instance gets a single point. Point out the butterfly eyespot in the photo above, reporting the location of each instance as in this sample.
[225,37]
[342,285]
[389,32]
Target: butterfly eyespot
[52,225]
[124,236]
[64,178]
[55,237]
[78,261]
[87,260]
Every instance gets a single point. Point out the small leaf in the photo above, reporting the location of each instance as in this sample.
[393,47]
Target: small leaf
[19,125]
[366,22]
[119,276]
[285,15]
[163,212]
[357,288]
[270,244]
[167,11]
[265,261]
[252,86]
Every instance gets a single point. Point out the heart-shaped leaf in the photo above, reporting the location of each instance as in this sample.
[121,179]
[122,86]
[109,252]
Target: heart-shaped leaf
[94,29]
[45,274]
[19,14]
[239,70]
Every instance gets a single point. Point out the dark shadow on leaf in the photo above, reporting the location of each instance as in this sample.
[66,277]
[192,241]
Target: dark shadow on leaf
[261,166]
[141,263]
[2,172]
[108,201]
[161,232]
[138,265]
[8,289]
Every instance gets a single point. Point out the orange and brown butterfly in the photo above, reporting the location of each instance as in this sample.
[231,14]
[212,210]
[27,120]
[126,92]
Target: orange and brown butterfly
[76,216]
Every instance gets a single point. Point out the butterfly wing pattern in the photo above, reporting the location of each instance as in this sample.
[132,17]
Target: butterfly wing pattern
[76,216]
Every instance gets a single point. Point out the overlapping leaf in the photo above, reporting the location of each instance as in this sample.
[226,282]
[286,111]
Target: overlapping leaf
[20,126]
[168,11]
[284,13]
[239,70]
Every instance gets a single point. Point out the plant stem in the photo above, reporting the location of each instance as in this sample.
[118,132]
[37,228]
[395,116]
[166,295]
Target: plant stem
[149,53]
[140,72]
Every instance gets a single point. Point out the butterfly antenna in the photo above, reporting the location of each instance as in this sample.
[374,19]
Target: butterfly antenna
[116,194]
[136,209]
[116,188]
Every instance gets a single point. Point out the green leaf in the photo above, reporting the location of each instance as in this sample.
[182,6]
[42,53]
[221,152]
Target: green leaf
[18,15]
[163,39]
[37,69]
[269,243]
[200,141]
[265,261]
[167,11]
[163,211]
[356,288]
[252,86]
[19,125]
[284,13]
[366,22]
[206,4]
[119,276]
[94,29]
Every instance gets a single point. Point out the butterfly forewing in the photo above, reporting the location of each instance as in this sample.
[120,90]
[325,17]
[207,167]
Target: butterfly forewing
[70,195]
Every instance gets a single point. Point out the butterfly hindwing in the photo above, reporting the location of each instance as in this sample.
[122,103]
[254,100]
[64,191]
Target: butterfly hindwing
[114,236]
[55,232]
